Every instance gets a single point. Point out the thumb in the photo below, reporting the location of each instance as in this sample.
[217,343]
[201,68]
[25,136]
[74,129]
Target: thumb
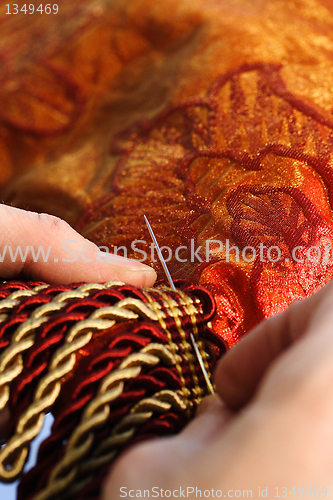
[43,247]
[211,418]
[241,370]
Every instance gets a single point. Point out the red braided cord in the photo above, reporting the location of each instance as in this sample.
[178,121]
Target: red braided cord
[102,355]
[78,392]
[50,335]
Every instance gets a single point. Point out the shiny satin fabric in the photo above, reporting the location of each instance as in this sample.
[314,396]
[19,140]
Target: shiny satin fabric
[212,118]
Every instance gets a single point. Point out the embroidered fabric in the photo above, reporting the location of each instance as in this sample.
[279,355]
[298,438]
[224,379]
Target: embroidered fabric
[247,167]
[214,118]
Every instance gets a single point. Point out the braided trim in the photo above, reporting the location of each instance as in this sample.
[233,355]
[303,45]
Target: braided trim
[14,453]
[122,433]
[11,362]
[14,298]
[175,313]
[97,413]
[191,311]
[174,347]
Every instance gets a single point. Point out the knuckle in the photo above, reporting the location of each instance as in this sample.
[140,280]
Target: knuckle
[53,223]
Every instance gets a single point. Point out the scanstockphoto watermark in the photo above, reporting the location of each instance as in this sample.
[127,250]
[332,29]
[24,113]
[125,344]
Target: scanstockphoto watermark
[188,492]
[228,251]
[184,253]
[195,492]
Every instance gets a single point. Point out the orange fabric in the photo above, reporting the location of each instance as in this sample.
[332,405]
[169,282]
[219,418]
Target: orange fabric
[234,186]
[214,118]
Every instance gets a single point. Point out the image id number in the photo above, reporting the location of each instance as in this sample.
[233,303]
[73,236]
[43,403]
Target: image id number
[300,492]
[30,9]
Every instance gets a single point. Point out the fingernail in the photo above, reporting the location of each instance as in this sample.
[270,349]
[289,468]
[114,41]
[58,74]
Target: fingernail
[141,277]
[118,260]
[132,271]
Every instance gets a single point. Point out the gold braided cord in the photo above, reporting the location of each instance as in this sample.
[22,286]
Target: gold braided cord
[82,455]
[120,435]
[172,306]
[140,413]
[190,309]
[192,312]
[157,308]
[13,299]
[97,412]
[11,362]
[14,453]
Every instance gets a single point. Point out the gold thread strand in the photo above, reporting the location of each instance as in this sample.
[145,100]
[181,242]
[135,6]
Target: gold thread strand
[19,294]
[113,441]
[7,305]
[165,355]
[21,341]
[133,419]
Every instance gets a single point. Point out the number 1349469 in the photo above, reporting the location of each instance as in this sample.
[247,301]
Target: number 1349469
[31,9]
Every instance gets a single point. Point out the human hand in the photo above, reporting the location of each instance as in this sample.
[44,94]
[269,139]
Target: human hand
[19,228]
[270,426]
[69,257]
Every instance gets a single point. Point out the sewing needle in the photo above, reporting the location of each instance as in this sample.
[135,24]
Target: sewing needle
[168,275]
[160,256]
[202,366]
